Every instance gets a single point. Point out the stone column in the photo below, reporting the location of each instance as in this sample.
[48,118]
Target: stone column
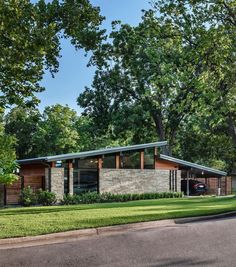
[57,182]
[54,181]
[71,181]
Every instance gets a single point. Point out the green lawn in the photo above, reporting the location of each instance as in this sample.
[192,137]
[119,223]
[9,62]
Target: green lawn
[17,222]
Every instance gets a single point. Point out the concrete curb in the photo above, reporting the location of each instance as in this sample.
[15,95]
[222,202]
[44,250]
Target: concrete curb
[205,218]
[71,236]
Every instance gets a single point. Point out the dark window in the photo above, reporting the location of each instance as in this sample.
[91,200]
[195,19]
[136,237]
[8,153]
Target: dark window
[88,163]
[66,179]
[149,158]
[85,175]
[130,160]
[109,161]
[85,181]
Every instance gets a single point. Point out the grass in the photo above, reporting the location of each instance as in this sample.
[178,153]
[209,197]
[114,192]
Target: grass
[16,222]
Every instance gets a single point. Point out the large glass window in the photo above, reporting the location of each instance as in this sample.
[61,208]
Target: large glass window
[149,158]
[130,160]
[109,161]
[88,163]
[85,181]
[85,175]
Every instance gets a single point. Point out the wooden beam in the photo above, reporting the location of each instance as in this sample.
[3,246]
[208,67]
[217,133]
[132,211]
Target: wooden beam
[117,161]
[155,157]
[142,160]
[100,163]
[53,164]
[70,165]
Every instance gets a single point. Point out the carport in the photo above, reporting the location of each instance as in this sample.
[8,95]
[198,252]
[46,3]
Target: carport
[191,170]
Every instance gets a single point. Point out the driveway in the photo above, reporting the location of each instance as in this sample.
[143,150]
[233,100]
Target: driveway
[211,243]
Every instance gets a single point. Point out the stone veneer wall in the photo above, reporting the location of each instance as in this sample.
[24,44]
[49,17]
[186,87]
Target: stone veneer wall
[122,181]
[57,181]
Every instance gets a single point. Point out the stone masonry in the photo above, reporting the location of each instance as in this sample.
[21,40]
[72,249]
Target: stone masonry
[71,180]
[57,181]
[122,181]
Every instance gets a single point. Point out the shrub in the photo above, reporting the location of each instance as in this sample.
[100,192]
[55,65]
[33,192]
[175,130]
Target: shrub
[90,197]
[93,197]
[71,199]
[28,197]
[46,198]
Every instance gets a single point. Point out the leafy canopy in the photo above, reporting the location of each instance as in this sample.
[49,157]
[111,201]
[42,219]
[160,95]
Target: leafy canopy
[8,163]
[30,37]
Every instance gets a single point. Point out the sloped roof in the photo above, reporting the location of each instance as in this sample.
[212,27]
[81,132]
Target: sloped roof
[192,165]
[91,153]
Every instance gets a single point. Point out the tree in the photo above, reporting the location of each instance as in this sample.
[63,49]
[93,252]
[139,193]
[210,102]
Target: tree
[23,123]
[57,132]
[30,37]
[8,163]
[149,68]
[210,27]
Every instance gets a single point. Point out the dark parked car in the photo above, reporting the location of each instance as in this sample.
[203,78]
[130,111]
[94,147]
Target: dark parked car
[195,187]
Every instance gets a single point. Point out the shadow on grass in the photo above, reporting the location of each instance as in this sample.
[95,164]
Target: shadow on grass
[169,203]
[76,223]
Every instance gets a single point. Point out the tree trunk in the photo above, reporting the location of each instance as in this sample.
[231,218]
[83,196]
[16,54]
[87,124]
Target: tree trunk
[232,128]
[160,130]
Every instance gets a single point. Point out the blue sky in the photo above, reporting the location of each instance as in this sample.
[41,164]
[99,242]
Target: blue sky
[73,74]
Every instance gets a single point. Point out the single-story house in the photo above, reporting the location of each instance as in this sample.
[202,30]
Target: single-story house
[130,169]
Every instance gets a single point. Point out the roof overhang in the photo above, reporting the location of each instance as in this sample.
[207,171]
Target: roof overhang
[193,165]
[91,153]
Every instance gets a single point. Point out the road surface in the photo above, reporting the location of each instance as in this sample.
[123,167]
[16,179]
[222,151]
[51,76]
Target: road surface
[211,243]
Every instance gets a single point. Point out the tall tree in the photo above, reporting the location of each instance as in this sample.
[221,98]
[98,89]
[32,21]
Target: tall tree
[210,27]
[147,66]
[8,163]
[30,37]
[23,123]
[57,132]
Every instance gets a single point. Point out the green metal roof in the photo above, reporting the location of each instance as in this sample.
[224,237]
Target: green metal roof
[193,165]
[91,153]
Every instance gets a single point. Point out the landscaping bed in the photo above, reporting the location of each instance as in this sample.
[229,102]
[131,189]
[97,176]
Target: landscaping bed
[42,220]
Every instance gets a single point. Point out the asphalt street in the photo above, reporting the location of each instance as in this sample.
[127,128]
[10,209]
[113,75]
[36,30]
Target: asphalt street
[208,243]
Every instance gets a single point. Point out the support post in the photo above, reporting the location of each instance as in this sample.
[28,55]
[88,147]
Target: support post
[187,183]
[219,187]
[99,163]
[117,161]
[70,178]
[142,159]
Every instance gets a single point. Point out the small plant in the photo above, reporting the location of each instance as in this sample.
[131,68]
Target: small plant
[90,197]
[93,197]
[71,199]
[46,198]
[28,197]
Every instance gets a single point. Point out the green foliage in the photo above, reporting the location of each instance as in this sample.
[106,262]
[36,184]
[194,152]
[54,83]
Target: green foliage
[210,28]
[152,85]
[43,220]
[23,124]
[172,78]
[46,198]
[30,37]
[28,197]
[57,133]
[93,197]
[8,163]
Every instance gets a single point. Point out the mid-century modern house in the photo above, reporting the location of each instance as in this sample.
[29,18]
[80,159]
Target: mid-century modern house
[130,169]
